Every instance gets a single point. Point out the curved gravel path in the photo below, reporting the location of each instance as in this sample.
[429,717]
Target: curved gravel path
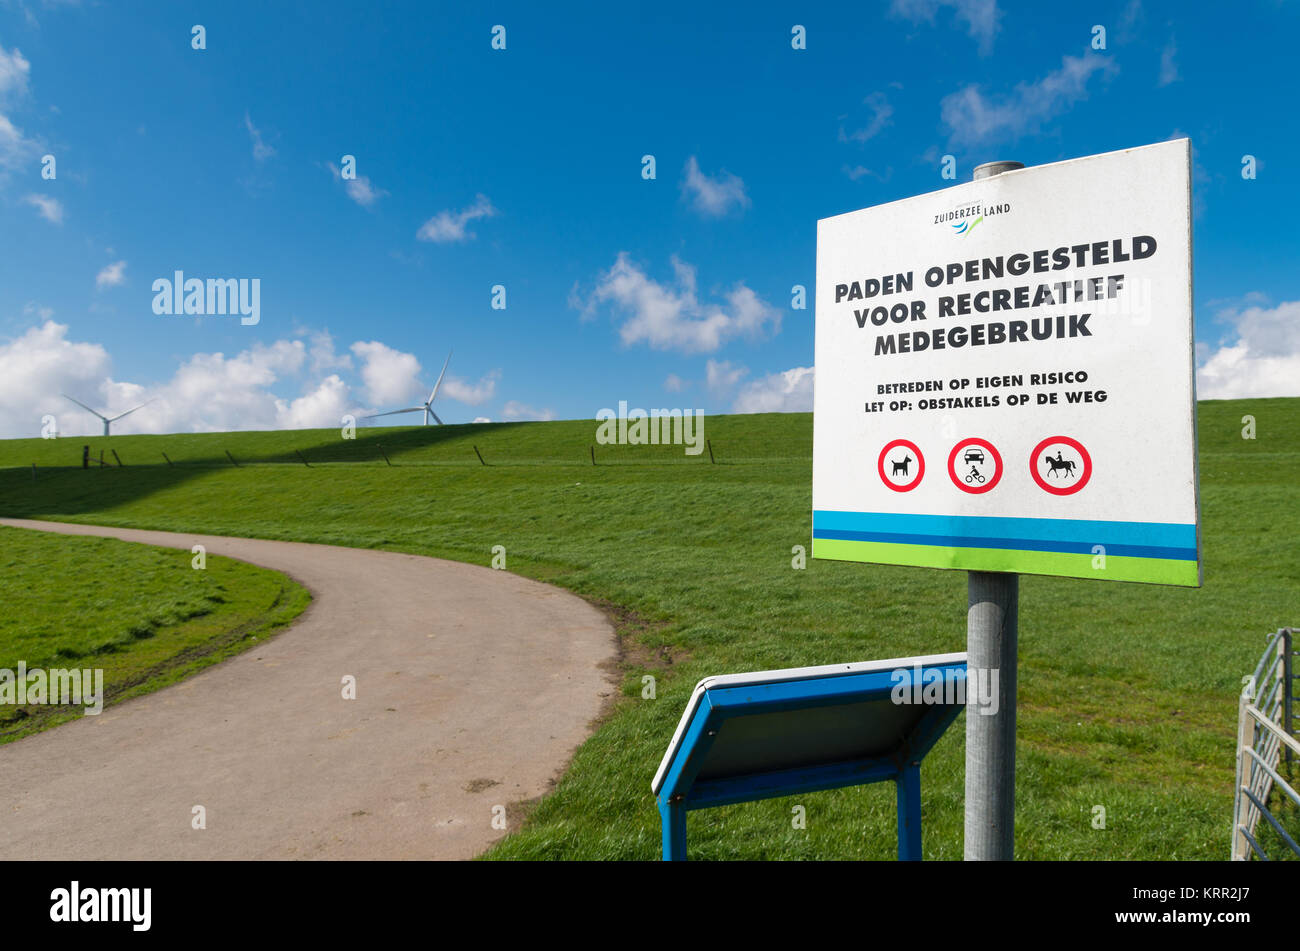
[473,688]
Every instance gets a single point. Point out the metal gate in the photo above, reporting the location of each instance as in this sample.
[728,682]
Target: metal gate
[1265,740]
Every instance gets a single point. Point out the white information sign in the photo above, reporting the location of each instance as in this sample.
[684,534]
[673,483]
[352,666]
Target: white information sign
[1005,375]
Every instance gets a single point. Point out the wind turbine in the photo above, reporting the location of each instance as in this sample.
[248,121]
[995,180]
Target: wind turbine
[427,405]
[108,420]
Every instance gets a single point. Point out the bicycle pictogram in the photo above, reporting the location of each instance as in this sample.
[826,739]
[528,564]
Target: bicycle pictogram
[981,465]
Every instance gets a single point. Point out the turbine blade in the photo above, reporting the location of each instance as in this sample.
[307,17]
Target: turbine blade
[130,411]
[435,416]
[85,407]
[434,394]
[394,412]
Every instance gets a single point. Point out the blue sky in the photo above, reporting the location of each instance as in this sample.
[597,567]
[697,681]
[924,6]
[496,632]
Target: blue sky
[523,167]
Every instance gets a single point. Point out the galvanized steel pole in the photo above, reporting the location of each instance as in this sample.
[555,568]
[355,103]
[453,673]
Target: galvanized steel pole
[991,635]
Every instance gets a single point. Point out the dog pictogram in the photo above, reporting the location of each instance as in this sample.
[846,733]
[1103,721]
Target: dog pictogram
[900,454]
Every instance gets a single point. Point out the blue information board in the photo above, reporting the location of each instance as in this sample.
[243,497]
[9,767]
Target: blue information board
[778,732]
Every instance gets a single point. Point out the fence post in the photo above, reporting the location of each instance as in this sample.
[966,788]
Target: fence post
[1240,847]
[1246,734]
[1288,688]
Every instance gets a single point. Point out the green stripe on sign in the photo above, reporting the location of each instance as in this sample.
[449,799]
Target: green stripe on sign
[1062,564]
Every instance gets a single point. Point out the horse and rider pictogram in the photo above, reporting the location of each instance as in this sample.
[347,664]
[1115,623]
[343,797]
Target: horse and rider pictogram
[1060,465]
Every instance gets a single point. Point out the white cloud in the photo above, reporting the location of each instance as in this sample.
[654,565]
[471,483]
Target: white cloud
[721,376]
[260,365]
[14,73]
[675,384]
[972,118]
[390,376]
[474,394]
[48,208]
[790,391]
[450,226]
[16,149]
[1168,64]
[1129,19]
[861,171]
[713,196]
[515,410]
[321,407]
[668,318]
[980,16]
[261,151]
[211,392]
[1262,360]
[322,355]
[359,189]
[112,275]
[881,111]
[208,392]
[39,365]
[481,419]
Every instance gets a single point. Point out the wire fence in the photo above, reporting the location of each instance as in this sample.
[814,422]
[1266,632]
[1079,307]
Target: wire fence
[1265,741]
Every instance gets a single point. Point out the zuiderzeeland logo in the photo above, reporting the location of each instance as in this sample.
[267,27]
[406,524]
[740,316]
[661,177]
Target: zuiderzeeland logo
[964,218]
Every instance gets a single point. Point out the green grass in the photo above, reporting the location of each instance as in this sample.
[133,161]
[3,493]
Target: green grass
[141,614]
[1127,692]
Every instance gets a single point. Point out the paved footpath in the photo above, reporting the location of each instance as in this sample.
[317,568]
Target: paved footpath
[473,687]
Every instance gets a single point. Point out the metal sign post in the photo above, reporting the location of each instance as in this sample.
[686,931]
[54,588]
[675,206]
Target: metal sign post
[992,633]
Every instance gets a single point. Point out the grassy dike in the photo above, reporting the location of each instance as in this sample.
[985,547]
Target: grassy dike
[141,614]
[1127,692]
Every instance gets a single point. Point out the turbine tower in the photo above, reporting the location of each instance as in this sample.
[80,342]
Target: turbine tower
[426,406]
[108,420]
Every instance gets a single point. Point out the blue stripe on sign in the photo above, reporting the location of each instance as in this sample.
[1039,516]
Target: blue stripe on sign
[1016,544]
[985,527]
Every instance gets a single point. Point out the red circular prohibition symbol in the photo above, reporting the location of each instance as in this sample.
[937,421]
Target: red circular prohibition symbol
[920,465]
[952,469]
[1061,489]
